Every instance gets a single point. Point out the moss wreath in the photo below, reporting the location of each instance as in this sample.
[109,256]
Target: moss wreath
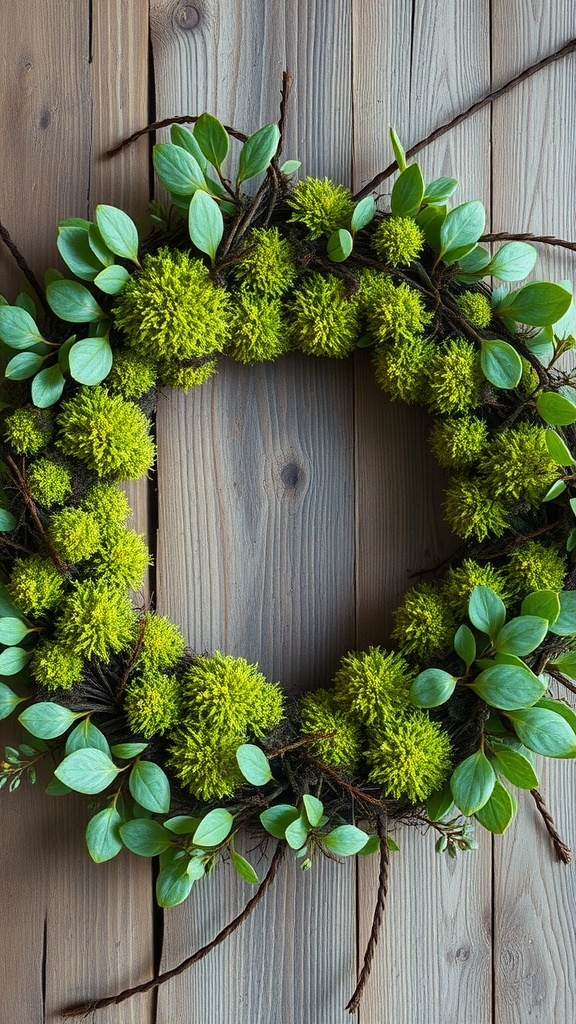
[184,750]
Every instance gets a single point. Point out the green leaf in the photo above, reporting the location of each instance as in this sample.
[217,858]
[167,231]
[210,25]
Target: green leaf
[276,819]
[74,248]
[514,766]
[462,227]
[553,492]
[87,771]
[486,611]
[118,231]
[363,213]
[565,624]
[184,138]
[213,828]
[500,363]
[145,837]
[12,631]
[559,708]
[47,720]
[513,261]
[90,360]
[475,264]
[17,328]
[126,751]
[440,804]
[498,811]
[371,846]
[9,701]
[112,279]
[465,645]
[103,835]
[150,787]
[557,448]
[72,302]
[346,840]
[538,303]
[544,732]
[57,788]
[64,352]
[314,809]
[543,603]
[290,166]
[398,148]
[182,824]
[257,152]
[85,736]
[24,301]
[522,635]
[23,366]
[244,869]
[99,247]
[432,688]
[205,223]
[47,387]
[297,832]
[340,245]
[253,764]
[472,783]
[7,521]
[13,660]
[7,606]
[177,169]
[392,846]
[212,139]
[556,409]
[408,192]
[431,219]
[508,687]
[175,881]
[439,190]
[566,663]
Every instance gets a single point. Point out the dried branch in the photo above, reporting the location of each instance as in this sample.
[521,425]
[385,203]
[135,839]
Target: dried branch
[24,267]
[354,1003]
[526,236]
[165,123]
[562,850]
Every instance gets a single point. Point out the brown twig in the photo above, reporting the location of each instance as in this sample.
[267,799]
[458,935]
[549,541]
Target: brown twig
[24,267]
[563,852]
[354,1003]
[133,659]
[300,743]
[165,123]
[526,236]
[561,678]
[23,488]
[354,791]
[99,1004]
[489,98]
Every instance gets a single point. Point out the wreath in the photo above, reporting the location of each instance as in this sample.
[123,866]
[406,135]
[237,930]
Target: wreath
[183,749]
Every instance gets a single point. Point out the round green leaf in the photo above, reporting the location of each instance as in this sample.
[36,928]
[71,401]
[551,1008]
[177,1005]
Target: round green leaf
[90,360]
[461,228]
[566,663]
[47,720]
[182,824]
[314,809]
[12,631]
[23,366]
[565,624]
[500,364]
[74,248]
[214,828]
[99,247]
[408,192]
[47,387]
[513,261]
[465,645]
[514,766]
[103,835]
[118,231]
[9,701]
[126,751]
[363,213]
[340,245]
[276,819]
[145,837]
[508,687]
[175,881]
[87,771]
[498,811]
[543,603]
[244,869]
[13,660]
[439,190]
[253,764]
[296,833]
[257,152]
[150,787]
[184,138]
[177,169]
[440,804]
[472,783]
[17,328]
[544,732]
[486,610]
[558,449]
[72,302]
[85,736]
[522,635]
[432,688]
[112,279]
[561,709]
[205,223]
[558,488]
[345,840]
[538,303]
[7,521]
[212,139]
[290,166]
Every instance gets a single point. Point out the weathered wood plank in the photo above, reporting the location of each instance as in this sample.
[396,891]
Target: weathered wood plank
[265,566]
[534,144]
[415,65]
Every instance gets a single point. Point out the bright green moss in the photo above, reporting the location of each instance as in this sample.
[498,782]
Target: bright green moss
[108,504]
[373,686]
[321,206]
[257,330]
[131,376]
[398,241]
[183,378]
[55,666]
[24,432]
[96,620]
[454,377]
[152,703]
[459,443]
[205,762]
[162,642]
[529,380]
[267,263]
[323,320]
[412,760]
[49,482]
[393,312]
[473,511]
[517,465]
[423,624]
[227,694]
[35,585]
[461,580]
[74,534]
[536,566]
[122,557]
[476,308]
[171,310]
[321,713]
[107,433]
[399,368]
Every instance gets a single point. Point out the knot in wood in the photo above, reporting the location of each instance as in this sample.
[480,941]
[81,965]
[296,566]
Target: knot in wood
[188,17]
[290,475]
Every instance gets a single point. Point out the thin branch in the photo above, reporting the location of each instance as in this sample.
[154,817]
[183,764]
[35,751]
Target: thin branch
[354,1003]
[24,491]
[99,1004]
[24,267]
[526,236]
[563,852]
[438,132]
[354,791]
[165,123]
[560,678]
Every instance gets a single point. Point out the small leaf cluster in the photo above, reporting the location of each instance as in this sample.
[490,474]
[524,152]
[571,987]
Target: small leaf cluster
[307,831]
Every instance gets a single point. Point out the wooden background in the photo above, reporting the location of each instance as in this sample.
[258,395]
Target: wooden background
[293,501]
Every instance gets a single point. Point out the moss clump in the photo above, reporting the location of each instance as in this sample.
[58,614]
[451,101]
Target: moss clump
[152,703]
[122,558]
[398,241]
[323,319]
[171,310]
[55,666]
[131,376]
[256,328]
[108,504]
[75,534]
[321,713]
[96,620]
[267,263]
[454,377]
[399,368]
[536,566]
[518,465]
[226,694]
[24,431]
[373,686]
[461,580]
[107,433]
[459,443]
[411,761]
[321,206]
[205,762]
[36,585]
[476,308]
[162,643]
[393,312]
[473,511]
[423,623]
[49,482]
[185,377]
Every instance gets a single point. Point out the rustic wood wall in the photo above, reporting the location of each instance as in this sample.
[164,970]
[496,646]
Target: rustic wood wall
[293,501]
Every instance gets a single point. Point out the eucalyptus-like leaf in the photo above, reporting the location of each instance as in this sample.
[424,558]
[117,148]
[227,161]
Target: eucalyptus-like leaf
[556,409]
[112,279]
[538,303]
[440,804]
[345,840]
[500,363]
[559,708]
[363,213]
[340,245]
[408,192]
[542,603]
[314,809]
[431,219]
[498,811]
[486,610]
[514,766]
[544,732]
[87,771]
[75,249]
[461,228]
[398,149]
[23,365]
[257,152]
[103,835]
[439,190]
[145,837]
[13,660]
[297,831]
[47,719]
[150,787]
[184,138]
[175,881]
[557,488]
[9,701]
[253,764]
[277,818]
[558,449]
[118,231]
[513,261]
[17,328]
[177,169]
[205,223]
[244,869]
[7,521]
[290,166]
[214,828]
[212,139]
[47,387]
[522,635]
[472,783]
[508,687]
[465,645]
[126,751]
[12,631]
[72,302]
[86,735]
[90,360]
[431,688]
[565,624]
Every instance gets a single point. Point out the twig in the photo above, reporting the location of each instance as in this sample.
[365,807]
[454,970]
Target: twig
[354,1003]
[300,743]
[99,1004]
[438,132]
[526,236]
[563,852]
[23,488]
[560,678]
[133,659]
[165,123]
[24,267]
[354,791]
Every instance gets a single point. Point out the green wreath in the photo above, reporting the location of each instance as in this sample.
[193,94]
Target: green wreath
[185,749]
